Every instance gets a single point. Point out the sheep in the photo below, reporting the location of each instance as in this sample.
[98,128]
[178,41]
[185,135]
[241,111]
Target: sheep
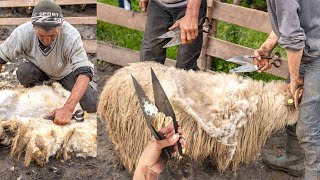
[23,128]
[225,118]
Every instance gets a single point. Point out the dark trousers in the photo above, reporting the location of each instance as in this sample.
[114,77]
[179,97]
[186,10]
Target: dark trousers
[30,75]
[159,20]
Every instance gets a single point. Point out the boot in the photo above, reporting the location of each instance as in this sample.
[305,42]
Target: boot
[311,175]
[292,162]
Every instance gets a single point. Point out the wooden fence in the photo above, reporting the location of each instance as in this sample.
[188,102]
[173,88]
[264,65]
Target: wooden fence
[212,46]
[89,45]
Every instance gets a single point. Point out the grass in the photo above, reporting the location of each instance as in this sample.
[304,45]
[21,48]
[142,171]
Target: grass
[132,39]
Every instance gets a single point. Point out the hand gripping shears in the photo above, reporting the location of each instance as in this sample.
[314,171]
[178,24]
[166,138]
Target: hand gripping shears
[176,33]
[163,105]
[247,62]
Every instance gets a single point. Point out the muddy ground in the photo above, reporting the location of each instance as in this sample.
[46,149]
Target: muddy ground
[106,165]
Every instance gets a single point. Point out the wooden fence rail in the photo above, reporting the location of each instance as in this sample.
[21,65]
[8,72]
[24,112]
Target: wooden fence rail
[212,46]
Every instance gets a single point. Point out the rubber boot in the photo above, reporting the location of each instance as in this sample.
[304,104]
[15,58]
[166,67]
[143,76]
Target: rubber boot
[292,162]
[311,175]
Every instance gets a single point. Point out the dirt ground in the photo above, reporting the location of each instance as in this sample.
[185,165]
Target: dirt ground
[106,165]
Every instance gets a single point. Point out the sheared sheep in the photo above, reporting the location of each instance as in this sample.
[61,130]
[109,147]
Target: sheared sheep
[23,128]
[225,118]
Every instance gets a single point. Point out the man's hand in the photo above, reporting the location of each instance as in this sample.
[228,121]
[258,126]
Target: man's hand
[62,116]
[150,160]
[143,4]
[188,28]
[294,85]
[263,64]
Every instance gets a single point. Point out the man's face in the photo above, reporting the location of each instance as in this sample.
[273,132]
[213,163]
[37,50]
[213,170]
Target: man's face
[47,37]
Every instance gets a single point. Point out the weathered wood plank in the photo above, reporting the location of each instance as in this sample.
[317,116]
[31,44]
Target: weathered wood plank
[225,50]
[250,18]
[71,20]
[90,46]
[23,3]
[120,16]
[121,56]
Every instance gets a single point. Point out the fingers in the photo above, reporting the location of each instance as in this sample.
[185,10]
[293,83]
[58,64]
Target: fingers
[257,54]
[183,37]
[169,128]
[175,25]
[143,6]
[168,142]
[265,67]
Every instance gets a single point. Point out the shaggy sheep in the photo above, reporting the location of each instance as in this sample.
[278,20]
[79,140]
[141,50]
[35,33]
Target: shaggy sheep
[22,125]
[225,118]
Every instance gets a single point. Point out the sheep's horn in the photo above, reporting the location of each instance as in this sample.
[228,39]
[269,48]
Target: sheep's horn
[297,97]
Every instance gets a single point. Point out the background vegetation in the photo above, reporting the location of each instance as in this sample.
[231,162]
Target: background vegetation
[129,38]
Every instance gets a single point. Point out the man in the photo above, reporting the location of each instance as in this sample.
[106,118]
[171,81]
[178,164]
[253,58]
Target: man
[296,27]
[54,50]
[164,15]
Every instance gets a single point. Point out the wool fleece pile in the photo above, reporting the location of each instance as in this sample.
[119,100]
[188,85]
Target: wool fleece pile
[23,128]
[225,118]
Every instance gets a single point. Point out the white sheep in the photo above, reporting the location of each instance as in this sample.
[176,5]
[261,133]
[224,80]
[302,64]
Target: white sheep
[225,118]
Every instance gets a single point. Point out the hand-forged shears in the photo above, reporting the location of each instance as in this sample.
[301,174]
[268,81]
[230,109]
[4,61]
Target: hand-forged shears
[176,33]
[247,62]
[163,105]
[78,116]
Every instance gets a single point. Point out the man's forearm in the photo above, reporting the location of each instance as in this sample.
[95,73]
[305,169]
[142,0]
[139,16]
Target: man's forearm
[77,92]
[193,8]
[270,43]
[1,67]
[294,59]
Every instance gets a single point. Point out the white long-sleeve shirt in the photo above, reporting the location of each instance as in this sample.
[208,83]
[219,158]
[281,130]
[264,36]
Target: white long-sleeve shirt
[66,54]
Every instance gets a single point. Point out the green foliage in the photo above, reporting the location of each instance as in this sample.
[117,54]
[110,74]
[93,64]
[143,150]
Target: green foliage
[134,4]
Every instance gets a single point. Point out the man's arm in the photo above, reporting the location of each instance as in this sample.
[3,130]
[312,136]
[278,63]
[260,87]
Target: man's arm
[189,23]
[294,59]
[63,115]
[1,67]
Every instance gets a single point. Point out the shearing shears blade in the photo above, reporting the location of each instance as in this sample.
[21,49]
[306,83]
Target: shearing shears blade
[170,34]
[149,111]
[173,42]
[245,68]
[242,60]
[161,100]
[148,108]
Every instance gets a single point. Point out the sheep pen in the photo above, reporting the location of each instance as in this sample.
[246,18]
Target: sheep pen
[23,128]
[225,118]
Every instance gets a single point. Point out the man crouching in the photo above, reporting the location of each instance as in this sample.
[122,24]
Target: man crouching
[54,50]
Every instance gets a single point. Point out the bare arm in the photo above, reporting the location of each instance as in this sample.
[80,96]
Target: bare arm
[63,115]
[77,92]
[294,59]
[1,67]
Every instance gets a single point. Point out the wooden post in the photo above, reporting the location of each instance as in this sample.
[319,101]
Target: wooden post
[204,61]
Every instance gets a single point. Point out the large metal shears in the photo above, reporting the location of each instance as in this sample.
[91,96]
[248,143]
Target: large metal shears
[150,110]
[247,62]
[176,33]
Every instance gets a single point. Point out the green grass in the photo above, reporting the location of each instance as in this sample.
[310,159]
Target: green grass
[132,39]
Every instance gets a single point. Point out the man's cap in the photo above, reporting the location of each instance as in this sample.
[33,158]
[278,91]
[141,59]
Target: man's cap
[47,14]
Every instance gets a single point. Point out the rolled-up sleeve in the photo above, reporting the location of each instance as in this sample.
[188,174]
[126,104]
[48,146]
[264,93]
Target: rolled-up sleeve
[285,19]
